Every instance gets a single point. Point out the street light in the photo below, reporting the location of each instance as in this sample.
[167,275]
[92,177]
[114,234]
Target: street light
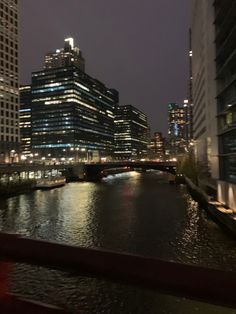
[23,157]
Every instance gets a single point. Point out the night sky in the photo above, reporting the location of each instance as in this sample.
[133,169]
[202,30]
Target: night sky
[139,47]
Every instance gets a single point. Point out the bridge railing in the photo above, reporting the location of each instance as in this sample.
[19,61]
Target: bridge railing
[209,285]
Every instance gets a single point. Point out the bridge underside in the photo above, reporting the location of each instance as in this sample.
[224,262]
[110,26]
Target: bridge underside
[96,171]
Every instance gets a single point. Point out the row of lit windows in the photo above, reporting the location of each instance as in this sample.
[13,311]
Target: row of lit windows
[58,86]
[12,84]
[71,98]
[45,76]
[58,127]
[9,76]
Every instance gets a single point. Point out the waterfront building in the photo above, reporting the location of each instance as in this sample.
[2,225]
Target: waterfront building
[188,128]
[225,42]
[72,114]
[25,121]
[189,101]
[177,121]
[156,147]
[204,88]
[9,94]
[131,133]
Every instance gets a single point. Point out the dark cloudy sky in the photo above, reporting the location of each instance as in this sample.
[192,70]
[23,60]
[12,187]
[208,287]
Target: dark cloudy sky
[139,47]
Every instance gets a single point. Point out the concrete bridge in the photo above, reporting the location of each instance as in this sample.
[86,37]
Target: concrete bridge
[98,170]
[91,171]
[200,283]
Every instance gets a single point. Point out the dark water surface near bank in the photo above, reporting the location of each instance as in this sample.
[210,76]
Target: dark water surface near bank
[131,212]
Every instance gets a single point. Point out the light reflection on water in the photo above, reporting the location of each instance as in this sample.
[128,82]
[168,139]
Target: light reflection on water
[130,212]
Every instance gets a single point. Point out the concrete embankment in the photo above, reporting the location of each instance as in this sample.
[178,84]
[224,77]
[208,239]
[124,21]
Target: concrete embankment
[217,211]
[16,188]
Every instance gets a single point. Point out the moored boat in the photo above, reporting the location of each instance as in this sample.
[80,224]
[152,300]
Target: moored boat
[49,183]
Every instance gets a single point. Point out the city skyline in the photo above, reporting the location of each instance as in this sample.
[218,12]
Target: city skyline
[150,86]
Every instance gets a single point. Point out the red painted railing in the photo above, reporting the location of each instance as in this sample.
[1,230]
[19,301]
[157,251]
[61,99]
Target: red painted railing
[213,286]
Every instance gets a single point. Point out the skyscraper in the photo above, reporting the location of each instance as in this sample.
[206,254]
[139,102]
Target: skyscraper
[156,147]
[177,121]
[67,56]
[131,130]
[9,94]
[225,41]
[204,86]
[214,72]
[72,113]
[189,102]
[25,120]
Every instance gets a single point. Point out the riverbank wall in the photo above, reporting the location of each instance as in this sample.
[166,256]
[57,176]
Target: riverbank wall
[15,188]
[217,211]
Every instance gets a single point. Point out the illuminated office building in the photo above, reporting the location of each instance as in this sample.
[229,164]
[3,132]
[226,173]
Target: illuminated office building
[67,56]
[157,147]
[72,114]
[9,94]
[177,121]
[25,120]
[131,130]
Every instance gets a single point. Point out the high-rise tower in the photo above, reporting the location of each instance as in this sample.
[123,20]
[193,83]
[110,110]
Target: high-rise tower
[204,86]
[67,56]
[9,95]
[177,121]
[72,113]
[131,129]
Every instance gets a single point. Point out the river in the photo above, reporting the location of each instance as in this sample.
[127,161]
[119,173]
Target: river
[130,212]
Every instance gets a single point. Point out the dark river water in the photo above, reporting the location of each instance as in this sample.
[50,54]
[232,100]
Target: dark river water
[132,212]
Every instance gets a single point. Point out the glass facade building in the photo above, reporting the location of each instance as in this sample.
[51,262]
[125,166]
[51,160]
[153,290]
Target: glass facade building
[225,13]
[177,123]
[225,43]
[131,133]
[72,115]
[9,93]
